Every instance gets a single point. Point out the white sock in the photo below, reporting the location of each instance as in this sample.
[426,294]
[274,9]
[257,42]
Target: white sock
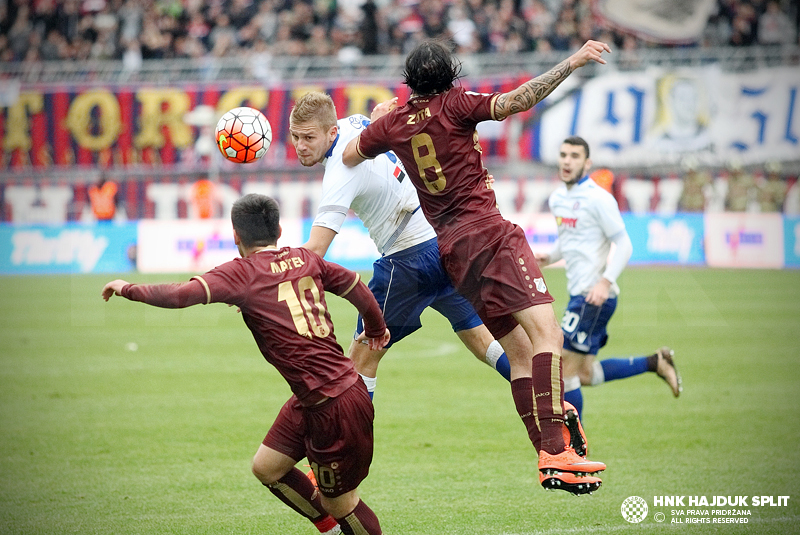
[493,353]
[598,376]
[572,383]
[371,382]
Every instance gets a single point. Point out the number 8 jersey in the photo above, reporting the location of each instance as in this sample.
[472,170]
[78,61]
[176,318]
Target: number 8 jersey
[435,138]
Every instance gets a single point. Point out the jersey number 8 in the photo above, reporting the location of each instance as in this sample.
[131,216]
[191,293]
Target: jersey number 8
[428,161]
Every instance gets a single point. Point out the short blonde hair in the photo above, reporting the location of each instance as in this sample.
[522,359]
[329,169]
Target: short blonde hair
[314,107]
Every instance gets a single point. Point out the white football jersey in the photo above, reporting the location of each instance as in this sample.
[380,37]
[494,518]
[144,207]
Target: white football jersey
[588,218]
[378,191]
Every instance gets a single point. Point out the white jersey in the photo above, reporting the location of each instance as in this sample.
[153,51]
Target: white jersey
[588,218]
[378,191]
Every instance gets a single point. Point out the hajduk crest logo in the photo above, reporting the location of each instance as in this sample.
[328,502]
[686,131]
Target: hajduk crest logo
[634,509]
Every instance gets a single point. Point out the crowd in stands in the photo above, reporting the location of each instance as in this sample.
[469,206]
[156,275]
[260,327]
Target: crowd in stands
[737,189]
[138,30]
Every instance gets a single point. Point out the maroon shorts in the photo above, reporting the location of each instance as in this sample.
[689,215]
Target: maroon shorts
[494,268]
[335,436]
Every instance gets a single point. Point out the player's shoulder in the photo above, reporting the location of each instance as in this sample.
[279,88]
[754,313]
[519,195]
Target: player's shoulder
[599,195]
[351,126]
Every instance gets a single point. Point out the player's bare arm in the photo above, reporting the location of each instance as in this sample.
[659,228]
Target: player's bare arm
[534,91]
[319,240]
[351,156]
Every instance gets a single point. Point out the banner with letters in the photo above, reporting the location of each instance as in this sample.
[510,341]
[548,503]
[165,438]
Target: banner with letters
[745,240]
[638,117]
[69,248]
[658,116]
[145,126]
[791,235]
[729,240]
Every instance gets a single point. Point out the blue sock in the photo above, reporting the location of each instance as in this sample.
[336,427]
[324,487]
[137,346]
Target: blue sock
[576,398]
[503,367]
[621,368]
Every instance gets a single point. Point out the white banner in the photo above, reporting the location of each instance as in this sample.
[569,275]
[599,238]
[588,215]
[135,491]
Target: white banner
[658,116]
[194,245]
[744,240]
[664,21]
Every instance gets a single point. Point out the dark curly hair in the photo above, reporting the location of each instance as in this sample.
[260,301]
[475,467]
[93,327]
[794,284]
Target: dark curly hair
[431,68]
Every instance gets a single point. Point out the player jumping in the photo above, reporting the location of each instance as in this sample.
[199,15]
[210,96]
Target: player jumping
[408,277]
[487,258]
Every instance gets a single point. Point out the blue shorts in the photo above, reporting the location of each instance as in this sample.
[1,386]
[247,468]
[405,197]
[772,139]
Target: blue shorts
[406,283]
[584,325]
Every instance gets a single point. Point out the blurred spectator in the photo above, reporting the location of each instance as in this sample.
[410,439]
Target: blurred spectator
[203,197]
[132,56]
[696,184]
[105,29]
[772,193]
[369,28]
[604,178]
[103,199]
[741,188]
[775,27]
[462,29]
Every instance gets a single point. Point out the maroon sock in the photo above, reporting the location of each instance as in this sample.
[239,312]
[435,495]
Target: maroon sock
[522,392]
[298,492]
[548,386]
[362,521]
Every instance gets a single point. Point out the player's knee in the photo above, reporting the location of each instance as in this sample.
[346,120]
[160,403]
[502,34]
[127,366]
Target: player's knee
[585,376]
[265,473]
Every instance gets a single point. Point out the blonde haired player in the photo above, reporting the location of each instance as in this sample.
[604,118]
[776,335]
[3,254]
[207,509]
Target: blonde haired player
[408,276]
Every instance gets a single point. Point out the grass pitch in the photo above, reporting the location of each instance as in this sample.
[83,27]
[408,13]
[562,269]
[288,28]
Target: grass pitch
[118,418]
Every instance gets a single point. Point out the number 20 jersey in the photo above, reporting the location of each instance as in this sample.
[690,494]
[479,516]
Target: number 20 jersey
[435,138]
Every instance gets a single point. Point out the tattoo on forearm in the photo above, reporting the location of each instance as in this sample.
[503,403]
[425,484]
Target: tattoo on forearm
[531,92]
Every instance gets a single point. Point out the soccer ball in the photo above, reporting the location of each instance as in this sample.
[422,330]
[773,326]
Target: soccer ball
[243,135]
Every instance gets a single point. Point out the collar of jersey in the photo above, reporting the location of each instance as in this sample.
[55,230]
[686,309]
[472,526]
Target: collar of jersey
[330,150]
[584,179]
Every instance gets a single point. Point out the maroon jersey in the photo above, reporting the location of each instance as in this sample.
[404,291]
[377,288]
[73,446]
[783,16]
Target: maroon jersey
[281,296]
[436,140]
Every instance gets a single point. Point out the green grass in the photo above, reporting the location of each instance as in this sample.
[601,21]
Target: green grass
[98,439]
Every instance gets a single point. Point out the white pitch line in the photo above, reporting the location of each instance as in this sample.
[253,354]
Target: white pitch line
[647,526]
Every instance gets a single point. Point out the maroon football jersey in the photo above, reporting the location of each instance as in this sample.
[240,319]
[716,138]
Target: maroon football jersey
[281,294]
[436,140]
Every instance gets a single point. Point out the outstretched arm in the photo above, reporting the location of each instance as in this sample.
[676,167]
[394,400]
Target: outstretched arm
[534,91]
[175,295]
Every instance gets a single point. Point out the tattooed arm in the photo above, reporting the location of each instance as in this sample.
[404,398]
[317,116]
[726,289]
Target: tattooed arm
[534,91]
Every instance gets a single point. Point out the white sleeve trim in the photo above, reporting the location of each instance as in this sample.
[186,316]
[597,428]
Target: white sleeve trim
[331,217]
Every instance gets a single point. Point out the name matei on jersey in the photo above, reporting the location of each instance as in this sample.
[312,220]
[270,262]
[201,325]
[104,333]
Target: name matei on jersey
[284,265]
